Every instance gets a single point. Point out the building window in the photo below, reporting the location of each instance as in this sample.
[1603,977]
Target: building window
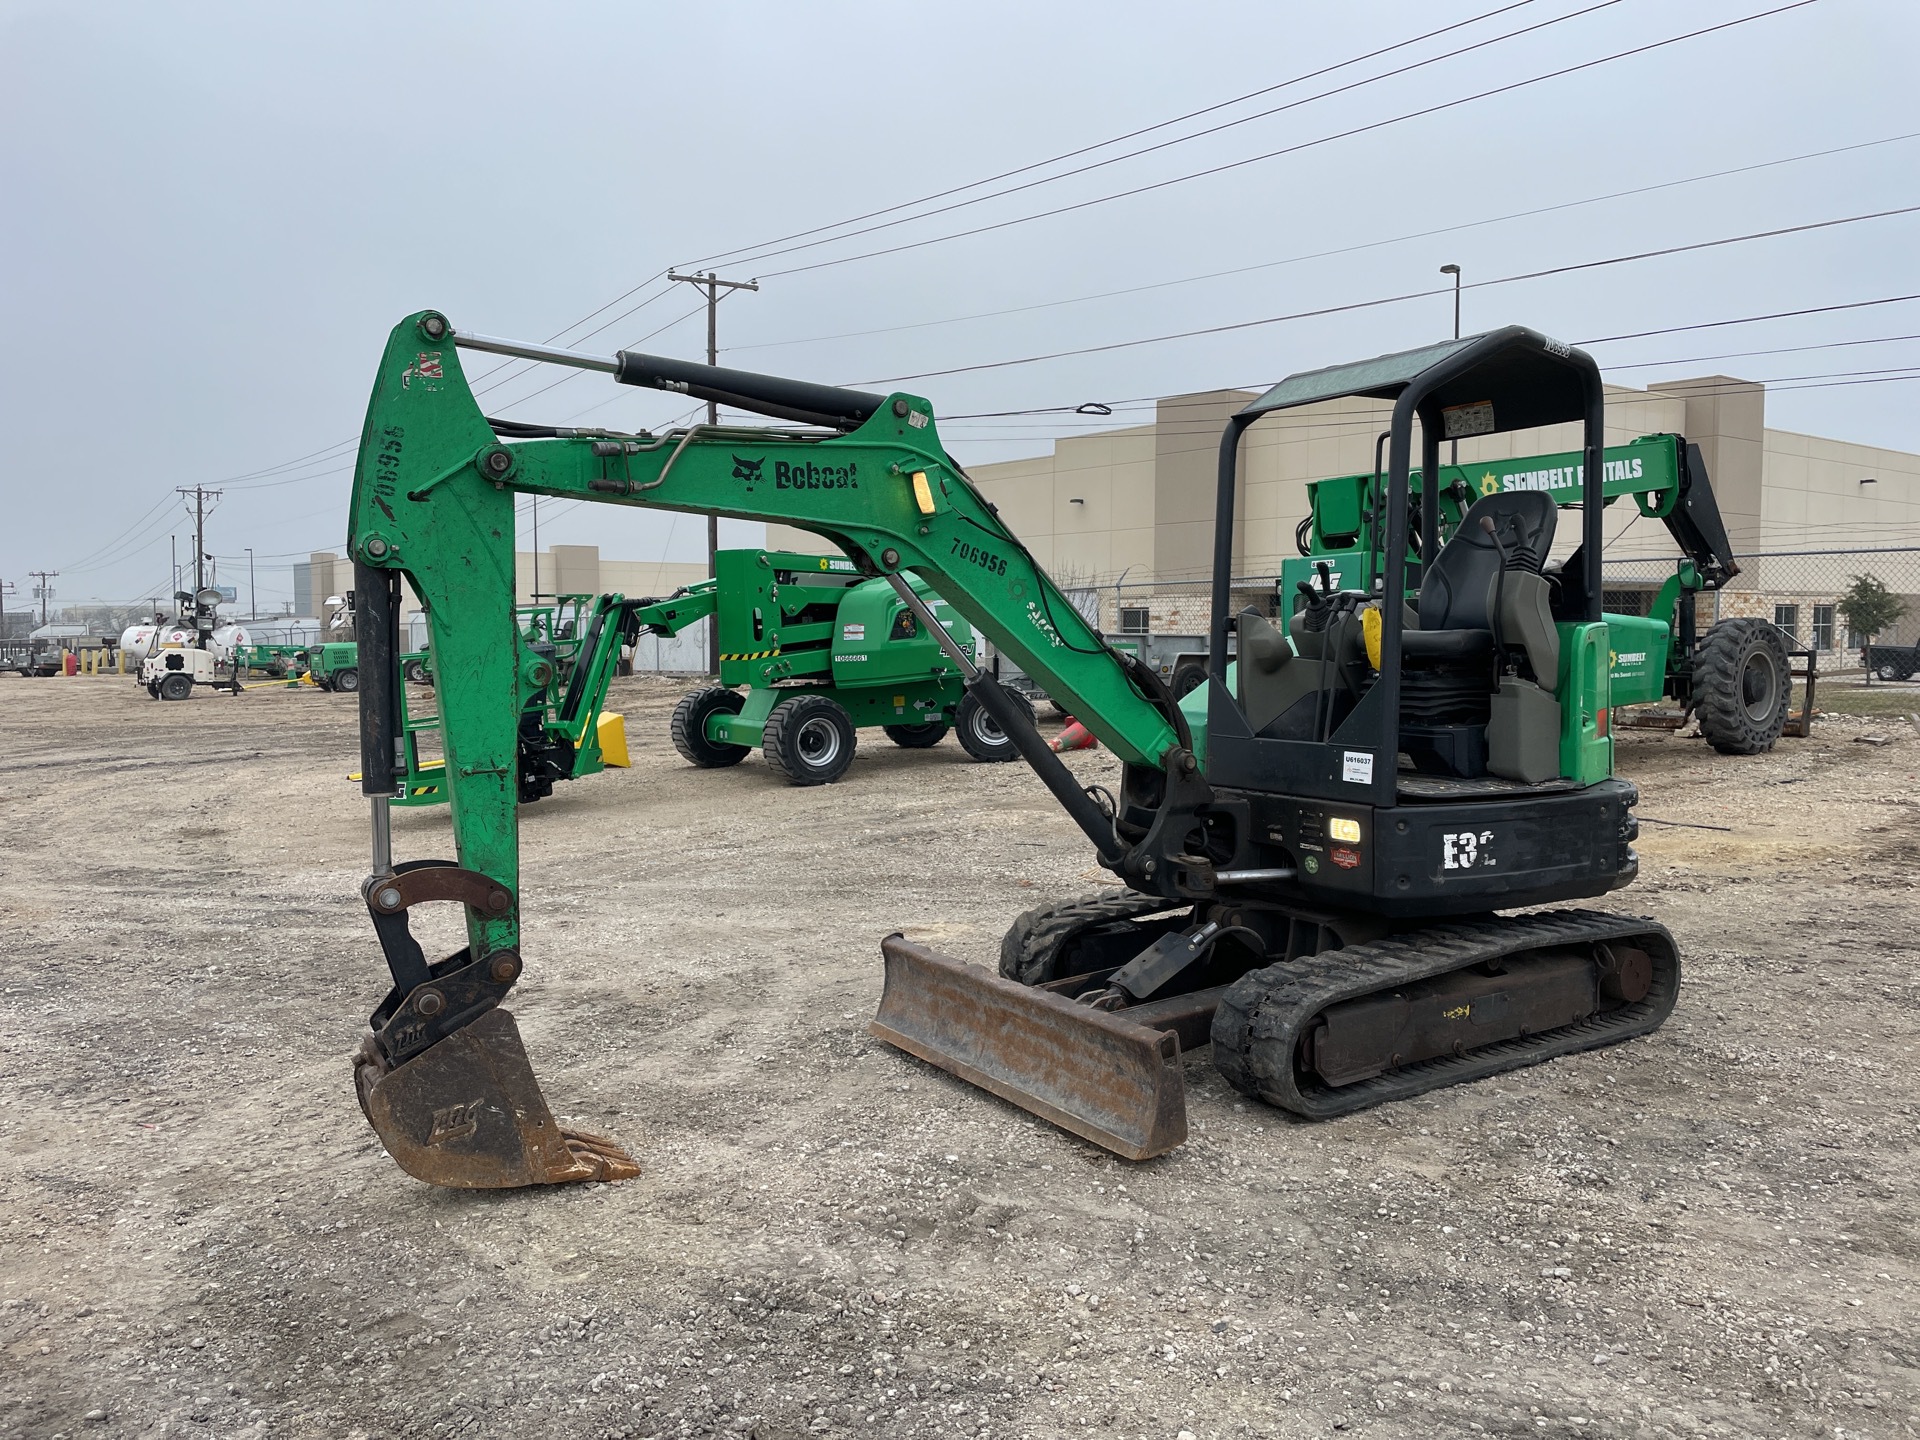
[1823,627]
[1133,620]
[1787,617]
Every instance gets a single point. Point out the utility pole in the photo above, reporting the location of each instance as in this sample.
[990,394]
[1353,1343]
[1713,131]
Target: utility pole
[43,590]
[713,285]
[253,595]
[173,554]
[200,496]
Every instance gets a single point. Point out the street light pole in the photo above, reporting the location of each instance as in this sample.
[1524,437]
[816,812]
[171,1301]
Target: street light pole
[1454,271]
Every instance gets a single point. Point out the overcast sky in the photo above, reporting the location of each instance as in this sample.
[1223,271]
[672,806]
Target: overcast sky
[211,215]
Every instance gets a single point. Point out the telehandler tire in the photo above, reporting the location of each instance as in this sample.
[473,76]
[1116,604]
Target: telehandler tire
[917,737]
[1742,686]
[346,682]
[689,729]
[176,687]
[809,739]
[981,735]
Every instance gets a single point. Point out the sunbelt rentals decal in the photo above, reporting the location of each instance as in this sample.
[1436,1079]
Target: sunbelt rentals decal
[1562,477]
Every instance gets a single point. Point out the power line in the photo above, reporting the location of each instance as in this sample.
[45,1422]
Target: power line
[1295,148]
[519,368]
[1329,254]
[1398,299]
[1196,135]
[727,255]
[1748,354]
[844,260]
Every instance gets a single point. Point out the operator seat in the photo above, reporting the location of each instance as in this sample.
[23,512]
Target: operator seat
[1478,675]
[1460,595]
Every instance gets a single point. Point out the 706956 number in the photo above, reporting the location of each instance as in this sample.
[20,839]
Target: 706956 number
[985,559]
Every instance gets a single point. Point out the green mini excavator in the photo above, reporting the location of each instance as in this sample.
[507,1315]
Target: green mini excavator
[1312,852]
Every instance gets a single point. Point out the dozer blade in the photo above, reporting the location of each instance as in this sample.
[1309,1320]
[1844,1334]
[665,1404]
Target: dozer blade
[468,1113]
[1105,1078]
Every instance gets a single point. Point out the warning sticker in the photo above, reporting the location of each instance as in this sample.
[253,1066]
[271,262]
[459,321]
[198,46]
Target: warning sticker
[1356,767]
[853,632]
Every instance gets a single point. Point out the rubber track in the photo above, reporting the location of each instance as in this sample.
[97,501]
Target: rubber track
[1028,949]
[1257,1029]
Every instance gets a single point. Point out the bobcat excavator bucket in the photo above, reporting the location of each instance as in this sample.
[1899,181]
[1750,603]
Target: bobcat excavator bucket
[468,1113]
[1112,1079]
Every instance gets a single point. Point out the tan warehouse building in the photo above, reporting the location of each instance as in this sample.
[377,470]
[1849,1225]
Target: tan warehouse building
[1123,517]
[1128,512]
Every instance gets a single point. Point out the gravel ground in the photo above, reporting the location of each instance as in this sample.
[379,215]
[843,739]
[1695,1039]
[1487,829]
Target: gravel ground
[1707,1232]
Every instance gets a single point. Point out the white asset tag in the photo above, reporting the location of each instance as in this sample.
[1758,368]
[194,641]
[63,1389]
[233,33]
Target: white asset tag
[1356,767]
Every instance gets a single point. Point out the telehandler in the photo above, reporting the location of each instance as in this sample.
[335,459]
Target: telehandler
[1736,679]
[1324,915]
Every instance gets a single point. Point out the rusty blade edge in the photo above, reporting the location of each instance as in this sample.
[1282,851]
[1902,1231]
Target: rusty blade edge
[1155,1051]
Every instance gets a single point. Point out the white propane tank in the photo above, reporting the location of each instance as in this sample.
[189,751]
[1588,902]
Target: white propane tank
[227,639]
[137,642]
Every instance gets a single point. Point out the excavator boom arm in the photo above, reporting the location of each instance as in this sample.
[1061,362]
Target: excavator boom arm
[433,501]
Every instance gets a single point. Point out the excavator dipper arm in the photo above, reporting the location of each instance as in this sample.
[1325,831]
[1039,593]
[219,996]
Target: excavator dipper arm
[443,1077]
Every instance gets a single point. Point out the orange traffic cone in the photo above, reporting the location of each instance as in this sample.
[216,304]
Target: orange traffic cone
[1075,737]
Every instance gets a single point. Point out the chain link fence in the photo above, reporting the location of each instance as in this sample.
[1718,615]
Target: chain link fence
[1800,591]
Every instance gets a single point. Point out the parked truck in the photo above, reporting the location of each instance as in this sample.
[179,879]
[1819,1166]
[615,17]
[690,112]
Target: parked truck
[1891,662]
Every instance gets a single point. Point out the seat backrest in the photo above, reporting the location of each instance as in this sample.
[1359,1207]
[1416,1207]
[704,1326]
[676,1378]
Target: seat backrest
[1457,591]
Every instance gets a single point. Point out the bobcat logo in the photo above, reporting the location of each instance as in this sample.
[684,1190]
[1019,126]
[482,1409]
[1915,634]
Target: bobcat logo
[748,470]
[455,1122]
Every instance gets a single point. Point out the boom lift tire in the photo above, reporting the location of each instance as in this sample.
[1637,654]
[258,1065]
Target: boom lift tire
[809,739]
[981,735]
[1741,686]
[917,737]
[1047,942]
[415,671]
[176,687]
[346,682]
[689,728]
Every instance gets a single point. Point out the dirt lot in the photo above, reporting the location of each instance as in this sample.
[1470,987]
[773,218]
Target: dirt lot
[1711,1231]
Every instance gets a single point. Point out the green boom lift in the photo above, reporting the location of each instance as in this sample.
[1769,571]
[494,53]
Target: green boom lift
[565,733]
[823,650]
[820,648]
[1328,919]
[1736,678]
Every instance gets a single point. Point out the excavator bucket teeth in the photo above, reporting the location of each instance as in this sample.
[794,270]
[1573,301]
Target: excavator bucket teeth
[468,1113]
[1099,1075]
